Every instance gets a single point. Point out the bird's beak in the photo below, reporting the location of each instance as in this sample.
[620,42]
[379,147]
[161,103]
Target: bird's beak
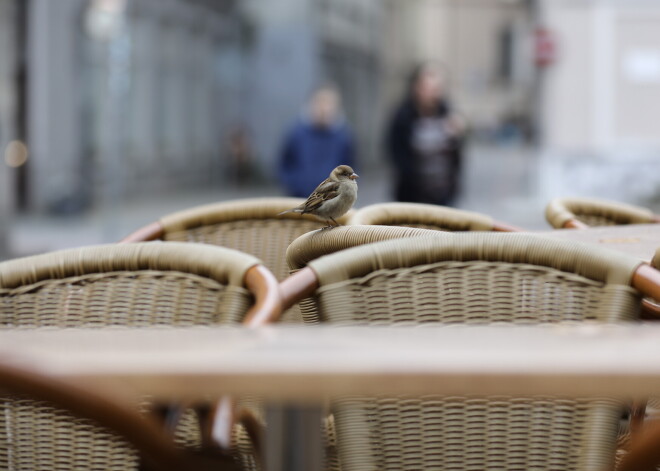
[354,176]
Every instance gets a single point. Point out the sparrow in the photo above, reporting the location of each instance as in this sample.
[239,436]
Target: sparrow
[332,198]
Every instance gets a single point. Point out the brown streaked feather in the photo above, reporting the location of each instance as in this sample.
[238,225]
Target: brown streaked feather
[327,190]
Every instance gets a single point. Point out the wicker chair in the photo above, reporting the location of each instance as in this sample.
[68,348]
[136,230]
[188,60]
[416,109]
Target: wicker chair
[251,226]
[474,278]
[644,453]
[99,422]
[136,285]
[318,243]
[580,213]
[427,216]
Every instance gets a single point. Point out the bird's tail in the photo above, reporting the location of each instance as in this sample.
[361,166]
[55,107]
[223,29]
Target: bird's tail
[293,210]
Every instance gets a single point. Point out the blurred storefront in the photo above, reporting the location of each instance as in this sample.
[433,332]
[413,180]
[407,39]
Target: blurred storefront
[127,96]
[578,78]
[139,96]
[607,75]
[601,99]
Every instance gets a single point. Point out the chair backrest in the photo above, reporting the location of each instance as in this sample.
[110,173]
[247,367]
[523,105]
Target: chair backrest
[116,427]
[580,213]
[475,278]
[138,285]
[253,226]
[319,243]
[426,216]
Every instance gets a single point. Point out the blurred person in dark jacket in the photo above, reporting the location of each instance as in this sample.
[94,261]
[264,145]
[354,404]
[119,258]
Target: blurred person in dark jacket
[317,143]
[424,141]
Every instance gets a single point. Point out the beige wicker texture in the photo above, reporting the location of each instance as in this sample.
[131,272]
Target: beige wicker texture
[330,444]
[251,226]
[139,285]
[469,433]
[481,279]
[38,437]
[595,212]
[316,244]
[425,216]
[244,452]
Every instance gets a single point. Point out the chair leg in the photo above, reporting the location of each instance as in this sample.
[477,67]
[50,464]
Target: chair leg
[637,414]
[169,416]
[294,439]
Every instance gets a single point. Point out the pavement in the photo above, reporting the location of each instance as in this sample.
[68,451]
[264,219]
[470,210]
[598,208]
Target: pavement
[500,181]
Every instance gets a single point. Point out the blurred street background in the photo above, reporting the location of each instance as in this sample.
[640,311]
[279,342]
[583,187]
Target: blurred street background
[116,112]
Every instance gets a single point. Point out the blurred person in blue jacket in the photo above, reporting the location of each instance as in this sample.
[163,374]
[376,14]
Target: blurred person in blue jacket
[316,144]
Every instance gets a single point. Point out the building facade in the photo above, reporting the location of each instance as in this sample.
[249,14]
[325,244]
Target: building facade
[8,105]
[603,93]
[601,99]
[580,77]
[130,96]
[127,96]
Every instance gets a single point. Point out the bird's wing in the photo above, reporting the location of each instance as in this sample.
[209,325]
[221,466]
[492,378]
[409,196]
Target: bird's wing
[326,191]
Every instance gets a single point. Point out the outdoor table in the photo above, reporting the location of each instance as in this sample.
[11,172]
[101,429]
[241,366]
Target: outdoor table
[305,366]
[637,240]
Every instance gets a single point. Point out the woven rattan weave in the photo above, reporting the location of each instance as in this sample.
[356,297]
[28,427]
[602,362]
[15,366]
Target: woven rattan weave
[36,436]
[316,244]
[475,278]
[595,212]
[251,226]
[140,285]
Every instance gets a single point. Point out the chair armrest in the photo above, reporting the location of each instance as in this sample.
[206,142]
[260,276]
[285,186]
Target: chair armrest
[646,280]
[504,227]
[650,310]
[223,416]
[153,231]
[268,304]
[644,452]
[219,422]
[300,285]
[575,224]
